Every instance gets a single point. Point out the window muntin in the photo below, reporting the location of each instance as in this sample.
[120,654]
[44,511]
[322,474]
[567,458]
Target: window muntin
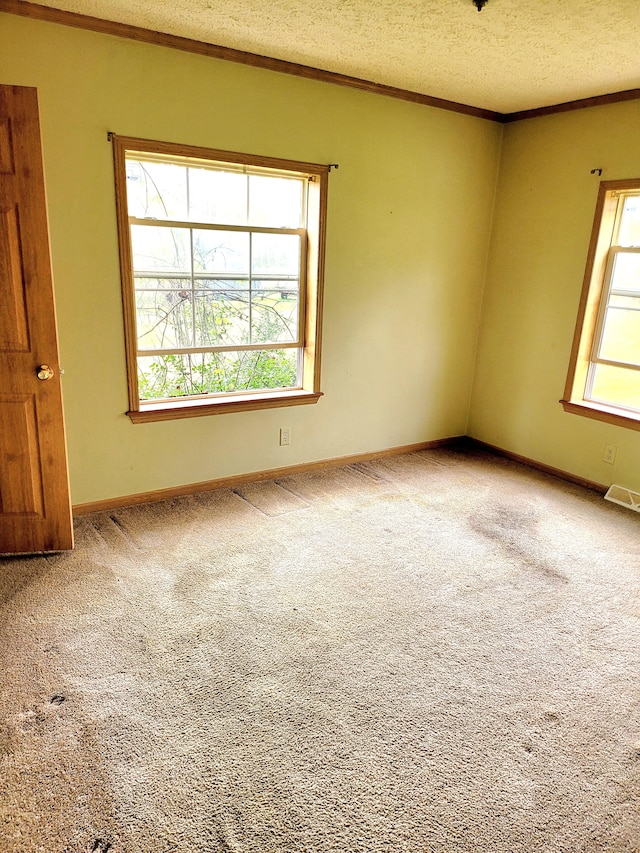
[222,263]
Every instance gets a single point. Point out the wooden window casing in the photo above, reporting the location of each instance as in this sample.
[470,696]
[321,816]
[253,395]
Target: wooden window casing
[587,342]
[307,391]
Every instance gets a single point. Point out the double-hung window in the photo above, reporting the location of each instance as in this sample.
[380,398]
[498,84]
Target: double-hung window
[604,374]
[221,260]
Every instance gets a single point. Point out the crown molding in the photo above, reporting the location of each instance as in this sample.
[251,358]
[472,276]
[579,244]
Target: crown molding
[569,106]
[141,34]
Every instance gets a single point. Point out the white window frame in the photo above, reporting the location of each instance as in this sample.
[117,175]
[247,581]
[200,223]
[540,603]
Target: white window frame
[312,236]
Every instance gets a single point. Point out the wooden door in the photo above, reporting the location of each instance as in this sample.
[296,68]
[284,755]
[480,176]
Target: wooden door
[35,512]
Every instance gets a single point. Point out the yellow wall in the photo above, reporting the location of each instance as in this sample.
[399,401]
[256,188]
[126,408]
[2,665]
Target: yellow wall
[408,230]
[543,217]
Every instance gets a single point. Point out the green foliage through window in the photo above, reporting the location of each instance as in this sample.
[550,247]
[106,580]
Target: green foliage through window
[190,374]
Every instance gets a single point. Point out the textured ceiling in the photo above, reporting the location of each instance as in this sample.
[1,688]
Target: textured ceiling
[514,55]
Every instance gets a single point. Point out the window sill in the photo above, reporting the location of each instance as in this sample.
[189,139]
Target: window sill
[170,410]
[600,412]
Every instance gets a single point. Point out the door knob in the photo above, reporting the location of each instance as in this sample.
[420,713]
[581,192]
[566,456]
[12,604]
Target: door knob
[44,372]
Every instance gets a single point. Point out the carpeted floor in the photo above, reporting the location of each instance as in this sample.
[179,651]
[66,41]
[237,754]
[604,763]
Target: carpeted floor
[430,653]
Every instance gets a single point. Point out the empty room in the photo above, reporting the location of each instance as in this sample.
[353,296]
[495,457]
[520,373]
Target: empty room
[319,426]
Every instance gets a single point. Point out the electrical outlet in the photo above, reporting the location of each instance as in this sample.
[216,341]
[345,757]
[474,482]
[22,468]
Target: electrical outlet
[285,436]
[609,454]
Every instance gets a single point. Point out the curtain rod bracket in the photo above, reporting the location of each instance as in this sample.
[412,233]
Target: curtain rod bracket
[334,166]
[110,135]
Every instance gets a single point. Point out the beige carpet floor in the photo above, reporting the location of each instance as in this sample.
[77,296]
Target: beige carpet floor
[430,653]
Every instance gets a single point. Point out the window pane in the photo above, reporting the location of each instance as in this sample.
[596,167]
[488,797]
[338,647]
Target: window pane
[210,373]
[217,197]
[286,286]
[626,272]
[619,386]
[222,318]
[221,252]
[158,249]
[275,202]
[164,282]
[630,223]
[621,332]
[156,190]
[275,254]
[203,282]
[274,316]
[164,319]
